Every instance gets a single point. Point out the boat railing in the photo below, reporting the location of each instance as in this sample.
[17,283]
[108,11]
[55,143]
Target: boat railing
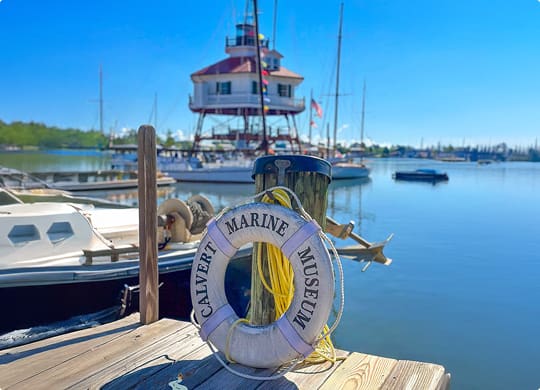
[113,253]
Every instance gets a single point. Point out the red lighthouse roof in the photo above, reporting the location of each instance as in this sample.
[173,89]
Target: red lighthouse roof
[241,65]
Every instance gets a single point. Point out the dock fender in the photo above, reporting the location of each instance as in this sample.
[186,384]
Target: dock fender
[183,218]
[202,211]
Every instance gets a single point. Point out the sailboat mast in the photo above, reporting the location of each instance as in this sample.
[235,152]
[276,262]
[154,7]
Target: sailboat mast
[337,78]
[274,26]
[258,61]
[101,99]
[363,115]
[155,111]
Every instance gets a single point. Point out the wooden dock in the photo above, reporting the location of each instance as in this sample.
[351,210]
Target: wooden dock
[127,355]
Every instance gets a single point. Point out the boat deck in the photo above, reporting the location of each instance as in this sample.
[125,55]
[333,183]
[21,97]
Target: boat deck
[125,355]
[96,180]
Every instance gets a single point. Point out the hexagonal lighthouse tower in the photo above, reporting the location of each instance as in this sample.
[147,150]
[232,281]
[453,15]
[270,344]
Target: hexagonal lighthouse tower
[230,88]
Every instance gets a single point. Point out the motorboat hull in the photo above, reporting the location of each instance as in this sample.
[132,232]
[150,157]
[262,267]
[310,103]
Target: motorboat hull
[34,297]
[223,174]
[426,175]
[342,171]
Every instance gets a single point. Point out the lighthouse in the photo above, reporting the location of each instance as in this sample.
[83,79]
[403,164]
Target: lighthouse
[230,88]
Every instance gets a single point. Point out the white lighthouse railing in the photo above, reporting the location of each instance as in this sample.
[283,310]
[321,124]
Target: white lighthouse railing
[212,101]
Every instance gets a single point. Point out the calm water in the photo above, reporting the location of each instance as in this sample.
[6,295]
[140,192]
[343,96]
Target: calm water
[464,288]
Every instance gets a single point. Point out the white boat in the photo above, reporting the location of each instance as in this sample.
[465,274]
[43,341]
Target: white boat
[171,162]
[96,180]
[231,171]
[63,259]
[342,170]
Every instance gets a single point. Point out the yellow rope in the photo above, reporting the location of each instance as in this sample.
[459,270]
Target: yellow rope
[281,284]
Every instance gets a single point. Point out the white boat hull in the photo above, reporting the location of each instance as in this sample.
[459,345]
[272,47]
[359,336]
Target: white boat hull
[57,260]
[349,171]
[223,174]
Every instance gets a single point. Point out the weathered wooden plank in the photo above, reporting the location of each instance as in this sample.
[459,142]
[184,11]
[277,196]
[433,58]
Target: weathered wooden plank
[360,371]
[20,363]
[408,374]
[149,274]
[83,365]
[305,376]
[193,369]
[149,359]
[223,376]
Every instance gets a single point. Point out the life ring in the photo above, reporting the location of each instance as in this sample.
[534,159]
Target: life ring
[293,334]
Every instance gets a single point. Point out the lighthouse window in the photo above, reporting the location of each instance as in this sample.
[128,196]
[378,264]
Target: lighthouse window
[223,88]
[254,87]
[284,90]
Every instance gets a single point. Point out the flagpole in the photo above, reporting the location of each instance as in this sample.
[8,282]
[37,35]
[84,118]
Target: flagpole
[310,115]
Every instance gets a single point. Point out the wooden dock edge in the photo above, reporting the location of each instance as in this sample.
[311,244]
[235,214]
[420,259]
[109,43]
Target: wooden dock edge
[126,354]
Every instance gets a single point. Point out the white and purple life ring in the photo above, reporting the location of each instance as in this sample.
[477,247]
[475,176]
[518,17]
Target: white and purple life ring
[294,334]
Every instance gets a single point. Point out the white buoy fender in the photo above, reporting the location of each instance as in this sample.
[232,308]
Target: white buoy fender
[296,332]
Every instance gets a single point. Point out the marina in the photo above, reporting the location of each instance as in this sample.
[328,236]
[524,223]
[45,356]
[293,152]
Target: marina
[288,342]
[250,260]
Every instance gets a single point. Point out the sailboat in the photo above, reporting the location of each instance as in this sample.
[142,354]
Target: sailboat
[344,168]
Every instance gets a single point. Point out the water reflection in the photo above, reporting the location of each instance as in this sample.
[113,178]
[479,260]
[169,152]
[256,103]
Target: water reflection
[345,201]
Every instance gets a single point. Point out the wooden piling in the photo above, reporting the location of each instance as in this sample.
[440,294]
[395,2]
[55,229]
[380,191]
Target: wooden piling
[308,177]
[148,267]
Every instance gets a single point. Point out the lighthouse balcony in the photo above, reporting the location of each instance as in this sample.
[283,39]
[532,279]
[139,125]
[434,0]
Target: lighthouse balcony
[225,104]
[245,41]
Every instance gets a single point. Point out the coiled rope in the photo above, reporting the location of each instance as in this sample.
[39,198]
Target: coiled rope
[281,284]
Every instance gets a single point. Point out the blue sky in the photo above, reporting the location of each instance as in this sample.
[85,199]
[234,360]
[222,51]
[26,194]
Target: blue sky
[448,71]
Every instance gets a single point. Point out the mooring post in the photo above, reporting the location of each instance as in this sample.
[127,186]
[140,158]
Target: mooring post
[308,177]
[148,266]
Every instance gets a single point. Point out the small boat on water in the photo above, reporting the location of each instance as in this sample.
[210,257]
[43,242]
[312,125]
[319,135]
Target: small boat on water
[348,170]
[423,174]
[484,162]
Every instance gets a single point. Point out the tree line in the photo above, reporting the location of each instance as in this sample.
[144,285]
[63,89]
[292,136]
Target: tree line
[41,136]
[38,135]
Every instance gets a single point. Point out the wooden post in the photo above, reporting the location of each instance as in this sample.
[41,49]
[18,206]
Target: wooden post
[308,177]
[148,275]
